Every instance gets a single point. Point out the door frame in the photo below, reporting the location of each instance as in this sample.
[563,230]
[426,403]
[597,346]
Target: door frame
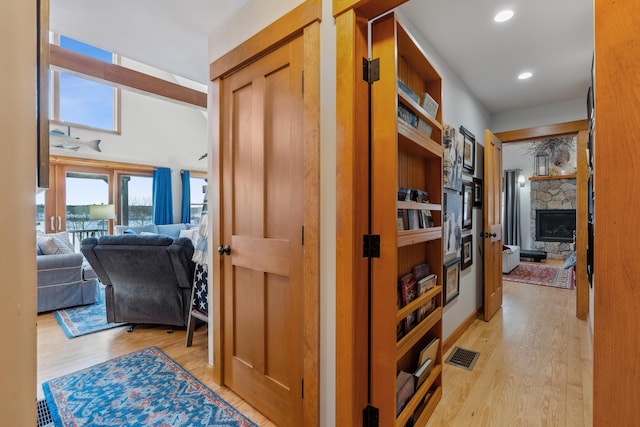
[304,21]
[579,127]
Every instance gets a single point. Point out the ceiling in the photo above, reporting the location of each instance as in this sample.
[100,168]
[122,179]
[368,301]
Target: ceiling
[552,39]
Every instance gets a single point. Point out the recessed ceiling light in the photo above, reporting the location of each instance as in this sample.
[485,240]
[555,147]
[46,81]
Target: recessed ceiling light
[525,75]
[503,16]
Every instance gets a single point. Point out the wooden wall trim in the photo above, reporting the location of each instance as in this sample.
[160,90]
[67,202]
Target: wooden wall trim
[460,330]
[122,77]
[95,163]
[543,131]
[280,31]
[351,220]
[367,9]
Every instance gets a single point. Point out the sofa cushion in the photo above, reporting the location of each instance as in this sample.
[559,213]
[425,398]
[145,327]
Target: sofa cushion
[171,230]
[55,243]
[132,229]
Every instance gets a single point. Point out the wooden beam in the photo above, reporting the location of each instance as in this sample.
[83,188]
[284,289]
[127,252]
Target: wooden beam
[122,77]
[543,131]
[269,38]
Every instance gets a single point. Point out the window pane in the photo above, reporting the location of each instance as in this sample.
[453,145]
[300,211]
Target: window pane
[82,191]
[136,200]
[85,49]
[86,102]
[83,101]
[40,220]
[198,186]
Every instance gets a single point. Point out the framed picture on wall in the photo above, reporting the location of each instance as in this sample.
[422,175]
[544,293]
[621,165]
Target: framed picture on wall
[467,251]
[452,158]
[467,205]
[451,280]
[468,150]
[477,193]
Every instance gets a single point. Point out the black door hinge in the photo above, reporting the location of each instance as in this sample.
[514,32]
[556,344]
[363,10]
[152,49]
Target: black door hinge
[303,235]
[370,70]
[303,388]
[370,416]
[371,246]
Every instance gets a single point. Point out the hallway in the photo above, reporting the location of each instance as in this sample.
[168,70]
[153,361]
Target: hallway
[535,366]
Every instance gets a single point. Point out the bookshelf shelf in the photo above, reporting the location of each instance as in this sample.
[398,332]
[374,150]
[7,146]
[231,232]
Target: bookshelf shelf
[408,410]
[411,237]
[416,205]
[415,304]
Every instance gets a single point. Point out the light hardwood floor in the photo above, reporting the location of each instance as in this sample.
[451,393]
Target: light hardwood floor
[535,366]
[58,355]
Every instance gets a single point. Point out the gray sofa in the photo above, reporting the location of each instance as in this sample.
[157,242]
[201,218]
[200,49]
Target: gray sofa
[148,278]
[171,230]
[64,280]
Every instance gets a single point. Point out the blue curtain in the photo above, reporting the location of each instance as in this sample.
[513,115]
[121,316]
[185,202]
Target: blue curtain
[186,198]
[162,197]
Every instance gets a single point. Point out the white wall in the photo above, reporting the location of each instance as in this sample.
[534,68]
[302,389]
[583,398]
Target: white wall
[155,132]
[460,107]
[559,112]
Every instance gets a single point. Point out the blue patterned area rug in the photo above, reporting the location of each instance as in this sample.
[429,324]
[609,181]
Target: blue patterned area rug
[85,319]
[143,388]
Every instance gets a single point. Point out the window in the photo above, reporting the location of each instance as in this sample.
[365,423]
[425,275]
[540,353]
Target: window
[198,190]
[136,200]
[81,102]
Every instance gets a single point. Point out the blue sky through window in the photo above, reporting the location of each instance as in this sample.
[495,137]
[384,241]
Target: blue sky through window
[83,101]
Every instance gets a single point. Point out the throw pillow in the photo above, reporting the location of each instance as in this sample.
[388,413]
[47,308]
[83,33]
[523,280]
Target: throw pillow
[189,234]
[55,243]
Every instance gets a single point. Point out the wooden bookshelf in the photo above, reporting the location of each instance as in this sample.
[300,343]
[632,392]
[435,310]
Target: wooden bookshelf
[412,153]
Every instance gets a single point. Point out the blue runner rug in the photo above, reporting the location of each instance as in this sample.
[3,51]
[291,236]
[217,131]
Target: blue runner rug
[143,388]
[85,319]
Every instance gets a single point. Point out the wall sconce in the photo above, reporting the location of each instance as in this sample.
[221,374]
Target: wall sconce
[542,165]
[521,180]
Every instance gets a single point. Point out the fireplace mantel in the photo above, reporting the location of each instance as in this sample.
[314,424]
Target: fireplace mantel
[541,178]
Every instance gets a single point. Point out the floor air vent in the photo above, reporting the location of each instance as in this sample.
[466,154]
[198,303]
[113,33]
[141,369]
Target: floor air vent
[44,416]
[463,358]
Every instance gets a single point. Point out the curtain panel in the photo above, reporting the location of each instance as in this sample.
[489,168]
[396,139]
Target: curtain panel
[162,197]
[511,225]
[186,197]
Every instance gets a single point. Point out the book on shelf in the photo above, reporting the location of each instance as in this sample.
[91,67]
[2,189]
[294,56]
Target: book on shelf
[404,194]
[422,373]
[424,128]
[429,352]
[429,104]
[404,390]
[420,196]
[414,219]
[408,92]
[402,220]
[424,285]
[421,271]
[425,218]
[407,115]
[408,286]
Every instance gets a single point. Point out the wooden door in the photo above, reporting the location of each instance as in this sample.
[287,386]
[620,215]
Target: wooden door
[262,212]
[492,224]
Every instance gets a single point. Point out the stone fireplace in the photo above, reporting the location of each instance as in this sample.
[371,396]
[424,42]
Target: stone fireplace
[553,213]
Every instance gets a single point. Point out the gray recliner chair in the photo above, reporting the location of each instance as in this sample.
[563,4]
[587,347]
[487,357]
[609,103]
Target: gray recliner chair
[148,278]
